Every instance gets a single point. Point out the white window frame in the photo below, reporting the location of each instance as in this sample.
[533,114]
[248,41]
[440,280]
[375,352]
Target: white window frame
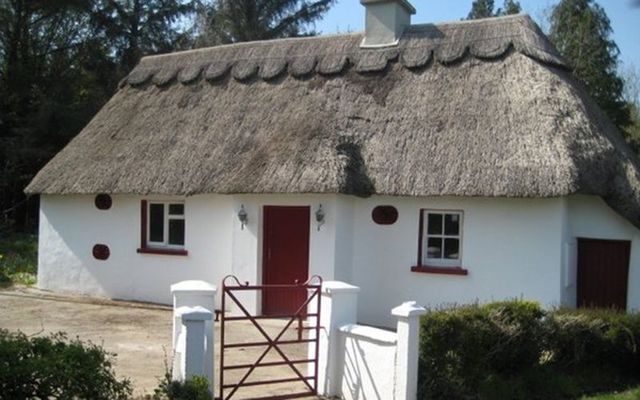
[165,240]
[441,262]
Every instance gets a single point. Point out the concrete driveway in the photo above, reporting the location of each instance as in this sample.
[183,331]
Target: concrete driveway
[140,335]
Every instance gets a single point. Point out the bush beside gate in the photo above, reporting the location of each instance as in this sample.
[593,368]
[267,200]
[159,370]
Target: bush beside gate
[516,350]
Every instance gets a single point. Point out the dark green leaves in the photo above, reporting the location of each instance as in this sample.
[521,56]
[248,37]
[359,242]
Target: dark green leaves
[581,31]
[230,21]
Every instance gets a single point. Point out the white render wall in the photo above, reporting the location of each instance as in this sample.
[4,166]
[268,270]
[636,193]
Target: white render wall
[71,225]
[512,248]
[590,217]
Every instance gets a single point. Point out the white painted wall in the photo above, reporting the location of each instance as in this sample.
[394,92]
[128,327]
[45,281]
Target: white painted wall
[590,217]
[71,225]
[511,248]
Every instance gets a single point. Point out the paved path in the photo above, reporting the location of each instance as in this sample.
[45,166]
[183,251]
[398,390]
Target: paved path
[140,334]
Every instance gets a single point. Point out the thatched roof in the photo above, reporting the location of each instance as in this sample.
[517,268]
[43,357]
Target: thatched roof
[478,108]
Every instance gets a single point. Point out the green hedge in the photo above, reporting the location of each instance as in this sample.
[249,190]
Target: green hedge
[57,368]
[515,350]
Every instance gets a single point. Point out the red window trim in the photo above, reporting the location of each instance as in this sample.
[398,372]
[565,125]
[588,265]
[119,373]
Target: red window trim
[167,252]
[440,270]
[426,269]
[144,246]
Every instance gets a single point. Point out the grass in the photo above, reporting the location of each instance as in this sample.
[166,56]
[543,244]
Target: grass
[633,394]
[18,259]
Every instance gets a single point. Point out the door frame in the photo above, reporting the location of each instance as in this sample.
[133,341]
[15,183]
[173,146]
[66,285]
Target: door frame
[579,289]
[264,242]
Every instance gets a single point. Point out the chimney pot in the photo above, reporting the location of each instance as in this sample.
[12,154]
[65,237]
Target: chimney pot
[385,21]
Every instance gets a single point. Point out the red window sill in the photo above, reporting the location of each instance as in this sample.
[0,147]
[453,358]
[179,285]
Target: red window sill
[440,270]
[166,252]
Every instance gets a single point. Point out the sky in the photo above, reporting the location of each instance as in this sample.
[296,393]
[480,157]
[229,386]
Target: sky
[348,16]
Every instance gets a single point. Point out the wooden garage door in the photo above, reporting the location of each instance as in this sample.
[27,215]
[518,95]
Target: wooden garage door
[603,273]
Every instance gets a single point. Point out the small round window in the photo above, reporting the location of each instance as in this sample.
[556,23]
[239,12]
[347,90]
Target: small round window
[384,215]
[103,202]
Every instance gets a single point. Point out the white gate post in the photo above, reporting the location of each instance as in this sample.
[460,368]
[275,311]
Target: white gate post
[339,307]
[188,295]
[408,350]
[192,344]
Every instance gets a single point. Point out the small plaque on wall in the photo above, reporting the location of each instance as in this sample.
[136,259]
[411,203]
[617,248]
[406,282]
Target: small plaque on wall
[103,202]
[384,215]
[101,252]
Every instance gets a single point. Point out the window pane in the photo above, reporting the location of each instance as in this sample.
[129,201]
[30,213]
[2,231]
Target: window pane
[434,248]
[156,222]
[435,224]
[176,209]
[176,232]
[452,224]
[452,249]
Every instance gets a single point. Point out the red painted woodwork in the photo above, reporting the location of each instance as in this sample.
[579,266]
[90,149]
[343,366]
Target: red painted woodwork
[143,224]
[603,273]
[101,252]
[285,257]
[165,252]
[440,270]
[103,201]
[144,248]
[384,215]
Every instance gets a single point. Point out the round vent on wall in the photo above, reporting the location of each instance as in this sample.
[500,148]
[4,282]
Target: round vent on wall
[101,252]
[384,215]
[103,202]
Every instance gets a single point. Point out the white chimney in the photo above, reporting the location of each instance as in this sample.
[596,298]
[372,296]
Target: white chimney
[385,21]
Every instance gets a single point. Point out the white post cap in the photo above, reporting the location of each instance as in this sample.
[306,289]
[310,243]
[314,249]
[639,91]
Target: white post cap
[337,287]
[194,314]
[409,309]
[200,287]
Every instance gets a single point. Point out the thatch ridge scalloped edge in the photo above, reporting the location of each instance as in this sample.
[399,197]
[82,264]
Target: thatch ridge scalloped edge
[240,59]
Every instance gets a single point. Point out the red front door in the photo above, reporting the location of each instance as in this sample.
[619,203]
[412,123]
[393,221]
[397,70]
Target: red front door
[285,257]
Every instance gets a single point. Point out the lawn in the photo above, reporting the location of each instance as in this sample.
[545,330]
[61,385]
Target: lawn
[629,395]
[18,258]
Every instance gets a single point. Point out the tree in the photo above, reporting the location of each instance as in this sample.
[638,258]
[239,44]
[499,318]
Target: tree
[631,95]
[138,27]
[485,9]
[51,81]
[60,61]
[230,21]
[581,31]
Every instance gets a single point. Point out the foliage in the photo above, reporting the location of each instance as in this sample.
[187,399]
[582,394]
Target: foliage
[581,31]
[516,350]
[139,27]
[195,388]
[486,9]
[230,21]
[18,258]
[631,94]
[55,367]
[628,395]
[60,61]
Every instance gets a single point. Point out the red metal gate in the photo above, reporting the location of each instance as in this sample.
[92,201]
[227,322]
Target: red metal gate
[230,287]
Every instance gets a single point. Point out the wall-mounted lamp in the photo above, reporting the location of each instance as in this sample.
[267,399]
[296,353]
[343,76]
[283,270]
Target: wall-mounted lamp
[320,216]
[242,216]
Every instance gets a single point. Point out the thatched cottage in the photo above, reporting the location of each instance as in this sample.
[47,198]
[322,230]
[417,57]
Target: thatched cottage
[443,163]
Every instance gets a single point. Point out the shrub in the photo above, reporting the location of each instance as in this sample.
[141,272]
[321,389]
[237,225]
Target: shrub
[195,388]
[18,258]
[55,367]
[515,350]
[594,338]
[461,348]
